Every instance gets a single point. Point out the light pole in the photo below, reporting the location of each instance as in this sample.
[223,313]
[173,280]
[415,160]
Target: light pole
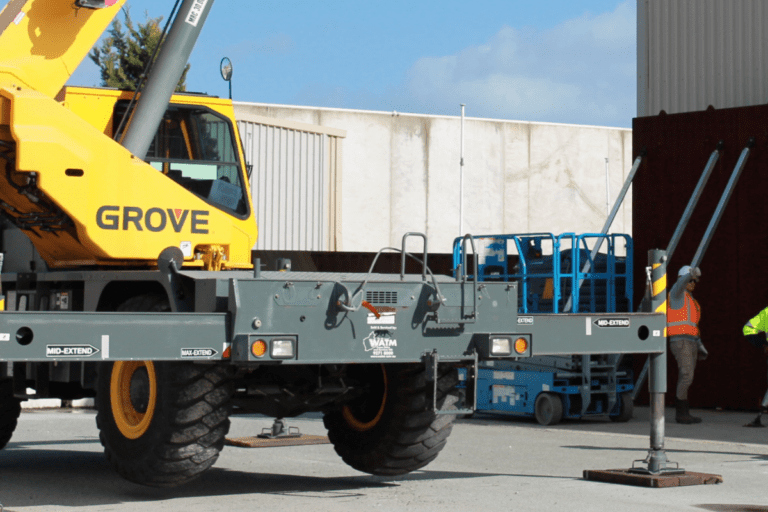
[461,176]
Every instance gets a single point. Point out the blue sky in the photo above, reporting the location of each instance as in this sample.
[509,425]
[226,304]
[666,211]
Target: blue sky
[552,60]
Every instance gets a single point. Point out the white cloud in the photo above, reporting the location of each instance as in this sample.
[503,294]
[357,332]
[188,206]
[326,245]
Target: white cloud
[581,71]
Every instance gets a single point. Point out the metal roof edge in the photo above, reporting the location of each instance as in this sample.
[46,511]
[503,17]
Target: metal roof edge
[291,125]
[396,113]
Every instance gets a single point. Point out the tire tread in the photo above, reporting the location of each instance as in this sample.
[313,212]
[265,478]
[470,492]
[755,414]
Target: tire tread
[196,401]
[412,435]
[10,409]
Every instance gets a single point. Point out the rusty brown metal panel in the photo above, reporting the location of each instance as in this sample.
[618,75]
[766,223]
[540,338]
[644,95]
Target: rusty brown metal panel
[257,442]
[734,284]
[626,477]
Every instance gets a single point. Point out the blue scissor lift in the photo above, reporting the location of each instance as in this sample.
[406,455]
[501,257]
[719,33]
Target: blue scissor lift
[556,274]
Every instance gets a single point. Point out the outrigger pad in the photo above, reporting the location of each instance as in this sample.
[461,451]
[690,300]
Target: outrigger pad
[257,442]
[625,477]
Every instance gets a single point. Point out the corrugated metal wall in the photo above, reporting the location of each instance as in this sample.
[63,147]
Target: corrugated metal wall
[696,53]
[293,184]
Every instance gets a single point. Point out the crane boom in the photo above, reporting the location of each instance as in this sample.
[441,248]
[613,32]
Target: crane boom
[44,41]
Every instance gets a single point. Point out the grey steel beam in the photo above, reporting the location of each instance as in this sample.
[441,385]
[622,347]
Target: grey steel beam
[681,225]
[170,64]
[722,204]
[69,336]
[623,193]
[308,312]
[611,217]
[714,221]
[594,333]
[678,234]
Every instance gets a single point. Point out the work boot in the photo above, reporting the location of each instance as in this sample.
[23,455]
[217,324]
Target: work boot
[756,422]
[683,413]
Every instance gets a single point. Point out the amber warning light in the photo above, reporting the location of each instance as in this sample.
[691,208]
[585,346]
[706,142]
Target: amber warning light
[259,348]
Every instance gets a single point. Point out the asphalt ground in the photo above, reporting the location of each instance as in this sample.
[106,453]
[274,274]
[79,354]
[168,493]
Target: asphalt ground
[55,463]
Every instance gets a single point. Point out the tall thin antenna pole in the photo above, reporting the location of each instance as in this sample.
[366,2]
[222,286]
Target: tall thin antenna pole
[461,177]
[607,188]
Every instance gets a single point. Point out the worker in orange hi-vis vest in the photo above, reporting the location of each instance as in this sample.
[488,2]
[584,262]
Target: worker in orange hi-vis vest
[683,314]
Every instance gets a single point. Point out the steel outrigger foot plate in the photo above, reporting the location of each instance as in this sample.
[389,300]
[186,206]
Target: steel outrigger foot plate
[258,442]
[627,477]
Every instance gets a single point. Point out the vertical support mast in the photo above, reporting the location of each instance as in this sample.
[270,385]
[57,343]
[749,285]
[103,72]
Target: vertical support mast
[656,461]
[657,384]
[161,83]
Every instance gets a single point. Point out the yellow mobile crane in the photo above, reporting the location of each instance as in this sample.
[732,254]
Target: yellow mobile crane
[98,203]
[151,303]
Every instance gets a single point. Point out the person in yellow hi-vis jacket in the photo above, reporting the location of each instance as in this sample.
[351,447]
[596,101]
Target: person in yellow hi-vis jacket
[756,333]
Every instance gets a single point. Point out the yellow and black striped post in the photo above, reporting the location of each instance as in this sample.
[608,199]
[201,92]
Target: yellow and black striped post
[2,297]
[657,258]
[657,376]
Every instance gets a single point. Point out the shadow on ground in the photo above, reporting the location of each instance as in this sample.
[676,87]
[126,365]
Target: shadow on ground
[81,478]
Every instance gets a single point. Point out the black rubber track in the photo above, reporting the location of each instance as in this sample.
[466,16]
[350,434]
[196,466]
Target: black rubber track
[190,420]
[10,408]
[409,434]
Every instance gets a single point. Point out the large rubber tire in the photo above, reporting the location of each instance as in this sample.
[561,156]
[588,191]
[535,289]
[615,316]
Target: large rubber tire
[392,430]
[10,408]
[626,408]
[548,409]
[162,424]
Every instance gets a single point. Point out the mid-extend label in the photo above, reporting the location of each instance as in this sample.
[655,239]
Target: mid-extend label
[70,350]
[612,322]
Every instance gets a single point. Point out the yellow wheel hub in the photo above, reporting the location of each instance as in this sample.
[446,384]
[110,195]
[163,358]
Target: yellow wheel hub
[133,409]
[359,418]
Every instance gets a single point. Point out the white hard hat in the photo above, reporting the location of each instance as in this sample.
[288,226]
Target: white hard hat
[684,271]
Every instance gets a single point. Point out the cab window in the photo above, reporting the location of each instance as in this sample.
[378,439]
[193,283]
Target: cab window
[195,148]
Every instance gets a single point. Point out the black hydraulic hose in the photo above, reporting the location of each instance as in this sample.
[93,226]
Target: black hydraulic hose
[349,304]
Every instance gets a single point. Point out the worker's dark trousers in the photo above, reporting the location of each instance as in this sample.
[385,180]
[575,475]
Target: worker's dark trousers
[764,403]
[686,352]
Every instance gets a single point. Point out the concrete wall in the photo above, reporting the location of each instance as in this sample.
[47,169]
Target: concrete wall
[401,173]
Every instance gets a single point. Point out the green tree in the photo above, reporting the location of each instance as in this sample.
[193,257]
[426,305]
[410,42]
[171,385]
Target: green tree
[123,55]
